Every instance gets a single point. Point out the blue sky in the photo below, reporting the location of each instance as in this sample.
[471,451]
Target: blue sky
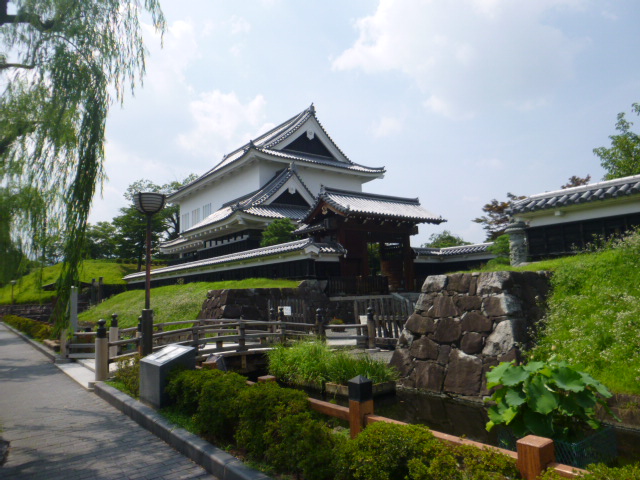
[462,101]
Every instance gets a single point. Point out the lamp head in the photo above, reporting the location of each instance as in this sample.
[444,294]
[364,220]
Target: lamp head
[149,203]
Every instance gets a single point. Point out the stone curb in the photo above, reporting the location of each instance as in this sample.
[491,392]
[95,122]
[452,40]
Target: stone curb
[215,461]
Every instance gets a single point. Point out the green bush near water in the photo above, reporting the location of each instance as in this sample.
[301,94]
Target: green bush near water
[314,362]
[32,328]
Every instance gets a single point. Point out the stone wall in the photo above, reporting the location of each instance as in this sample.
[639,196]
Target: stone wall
[253,303]
[40,312]
[465,323]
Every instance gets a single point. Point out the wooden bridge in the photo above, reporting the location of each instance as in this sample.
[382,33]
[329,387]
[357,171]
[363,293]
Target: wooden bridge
[238,337]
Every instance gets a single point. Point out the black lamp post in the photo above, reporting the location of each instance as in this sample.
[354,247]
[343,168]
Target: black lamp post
[148,203]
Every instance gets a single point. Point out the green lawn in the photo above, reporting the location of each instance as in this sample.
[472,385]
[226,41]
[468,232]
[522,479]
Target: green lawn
[171,303]
[27,289]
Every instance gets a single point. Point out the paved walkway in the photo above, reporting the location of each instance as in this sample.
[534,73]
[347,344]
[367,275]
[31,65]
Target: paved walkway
[58,430]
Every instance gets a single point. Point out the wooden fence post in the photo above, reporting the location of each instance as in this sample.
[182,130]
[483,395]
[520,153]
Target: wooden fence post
[320,332]
[371,329]
[114,335]
[146,329]
[534,454]
[242,341]
[102,352]
[360,403]
[283,327]
[139,335]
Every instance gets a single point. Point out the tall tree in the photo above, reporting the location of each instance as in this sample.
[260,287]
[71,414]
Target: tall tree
[100,241]
[64,63]
[171,213]
[496,219]
[131,229]
[576,181]
[622,159]
[445,239]
[278,231]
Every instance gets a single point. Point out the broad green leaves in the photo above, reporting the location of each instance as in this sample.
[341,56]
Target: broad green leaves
[547,399]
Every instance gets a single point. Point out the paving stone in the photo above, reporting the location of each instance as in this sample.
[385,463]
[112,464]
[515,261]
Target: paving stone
[58,430]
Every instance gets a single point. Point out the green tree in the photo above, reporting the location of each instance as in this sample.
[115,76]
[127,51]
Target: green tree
[171,213]
[496,219]
[278,231]
[131,233]
[101,241]
[445,239]
[622,159]
[575,181]
[63,64]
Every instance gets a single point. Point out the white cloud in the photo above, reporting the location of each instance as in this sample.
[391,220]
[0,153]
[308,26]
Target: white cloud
[239,25]
[166,66]
[222,123]
[387,126]
[470,55]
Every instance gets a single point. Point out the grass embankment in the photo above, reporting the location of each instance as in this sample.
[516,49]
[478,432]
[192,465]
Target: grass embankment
[593,319]
[27,288]
[171,303]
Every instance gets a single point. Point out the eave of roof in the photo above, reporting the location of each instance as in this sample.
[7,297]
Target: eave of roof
[362,204]
[452,251]
[306,244]
[610,189]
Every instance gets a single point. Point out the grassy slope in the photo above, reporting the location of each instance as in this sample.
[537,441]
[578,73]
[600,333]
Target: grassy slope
[171,303]
[594,316]
[27,291]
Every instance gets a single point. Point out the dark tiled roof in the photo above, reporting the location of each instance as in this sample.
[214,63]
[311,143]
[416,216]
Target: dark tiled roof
[266,142]
[298,245]
[620,187]
[452,251]
[378,206]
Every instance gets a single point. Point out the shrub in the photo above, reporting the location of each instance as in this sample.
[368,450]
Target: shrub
[218,408]
[300,444]
[601,472]
[128,374]
[263,404]
[184,387]
[383,451]
[32,328]
[388,451]
[546,399]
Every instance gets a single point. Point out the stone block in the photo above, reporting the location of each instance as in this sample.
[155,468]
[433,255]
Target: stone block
[443,355]
[434,283]
[467,303]
[402,361]
[429,376]
[459,282]
[472,343]
[406,338]
[502,304]
[420,325]
[231,311]
[425,301]
[464,374]
[424,349]
[494,282]
[504,337]
[476,322]
[444,307]
[448,330]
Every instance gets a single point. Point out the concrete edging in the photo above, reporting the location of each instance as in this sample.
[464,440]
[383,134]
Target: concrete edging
[215,461]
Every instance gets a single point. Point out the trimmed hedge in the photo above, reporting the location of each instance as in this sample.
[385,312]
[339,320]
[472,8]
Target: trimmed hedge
[33,328]
[276,426]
